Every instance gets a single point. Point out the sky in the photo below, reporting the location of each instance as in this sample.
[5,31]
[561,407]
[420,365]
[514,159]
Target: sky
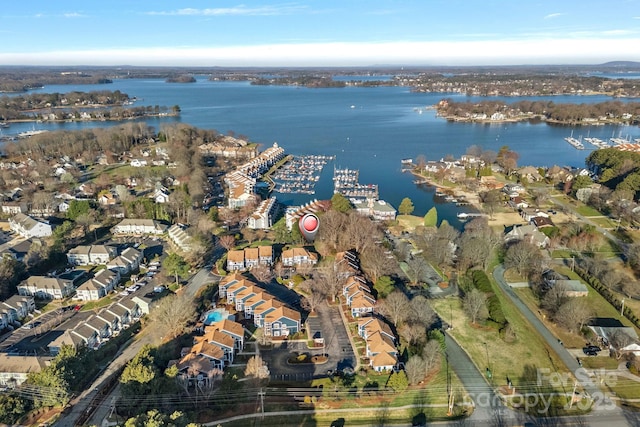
[318,33]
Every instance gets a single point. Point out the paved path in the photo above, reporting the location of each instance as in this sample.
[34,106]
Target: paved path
[602,402]
[488,405]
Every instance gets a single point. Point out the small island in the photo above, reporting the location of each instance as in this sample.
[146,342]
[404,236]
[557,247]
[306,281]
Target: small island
[185,78]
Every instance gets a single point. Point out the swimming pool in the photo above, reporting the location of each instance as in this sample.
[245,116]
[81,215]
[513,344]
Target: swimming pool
[216,315]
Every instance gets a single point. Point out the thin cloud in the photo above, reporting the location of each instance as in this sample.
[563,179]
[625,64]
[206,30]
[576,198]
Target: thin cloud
[553,15]
[74,15]
[241,10]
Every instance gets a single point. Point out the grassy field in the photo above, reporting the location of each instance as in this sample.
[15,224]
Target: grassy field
[624,388]
[517,360]
[585,210]
[92,305]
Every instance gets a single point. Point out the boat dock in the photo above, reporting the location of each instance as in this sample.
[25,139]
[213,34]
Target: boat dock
[465,215]
[299,174]
[345,182]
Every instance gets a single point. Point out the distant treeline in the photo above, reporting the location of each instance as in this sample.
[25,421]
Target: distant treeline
[306,81]
[628,112]
[22,82]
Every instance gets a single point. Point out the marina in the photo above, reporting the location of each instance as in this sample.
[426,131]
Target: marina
[300,174]
[345,182]
[576,143]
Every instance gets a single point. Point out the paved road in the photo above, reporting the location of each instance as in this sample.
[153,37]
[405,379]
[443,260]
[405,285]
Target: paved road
[602,402]
[488,405]
[80,403]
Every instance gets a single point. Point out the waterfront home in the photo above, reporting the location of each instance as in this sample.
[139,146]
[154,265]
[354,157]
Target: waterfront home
[294,213]
[28,227]
[90,255]
[298,256]
[139,227]
[46,287]
[262,217]
[14,370]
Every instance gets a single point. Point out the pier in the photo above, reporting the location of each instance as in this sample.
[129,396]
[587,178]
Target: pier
[345,182]
[299,174]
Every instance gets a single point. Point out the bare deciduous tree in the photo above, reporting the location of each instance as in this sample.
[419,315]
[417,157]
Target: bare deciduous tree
[415,369]
[474,305]
[262,273]
[573,314]
[555,297]
[431,354]
[525,257]
[313,296]
[375,263]
[417,269]
[420,311]
[630,287]
[413,333]
[394,307]
[173,314]
[330,279]
[256,370]
[227,241]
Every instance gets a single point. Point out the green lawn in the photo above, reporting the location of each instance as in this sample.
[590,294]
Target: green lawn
[517,360]
[92,305]
[624,388]
[585,210]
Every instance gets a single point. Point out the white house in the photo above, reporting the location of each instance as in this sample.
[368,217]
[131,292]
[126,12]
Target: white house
[139,226]
[128,261]
[298,256]
[29,227]
[46,287]
[262,217]
[89,255]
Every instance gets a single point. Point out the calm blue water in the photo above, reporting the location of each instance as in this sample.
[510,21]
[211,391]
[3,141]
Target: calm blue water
[369,129]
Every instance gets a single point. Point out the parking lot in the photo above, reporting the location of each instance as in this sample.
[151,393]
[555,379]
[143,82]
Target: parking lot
[327,324]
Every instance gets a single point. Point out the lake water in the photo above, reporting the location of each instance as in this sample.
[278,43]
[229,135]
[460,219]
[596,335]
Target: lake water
[370,129]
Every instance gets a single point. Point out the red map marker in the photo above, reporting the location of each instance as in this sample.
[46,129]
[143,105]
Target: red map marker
[309,225]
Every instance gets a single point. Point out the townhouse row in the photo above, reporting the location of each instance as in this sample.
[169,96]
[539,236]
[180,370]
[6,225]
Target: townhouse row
[103,282]
[380,342]
[245,259]
[102,326]
[267,312]
[211,352]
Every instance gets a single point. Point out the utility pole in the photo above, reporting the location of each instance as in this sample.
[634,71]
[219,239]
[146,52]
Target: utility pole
[261,394]
[573,393]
